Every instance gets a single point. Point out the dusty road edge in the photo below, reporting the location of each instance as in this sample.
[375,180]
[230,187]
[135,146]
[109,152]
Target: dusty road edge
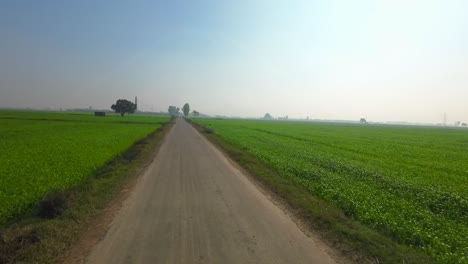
[98,228]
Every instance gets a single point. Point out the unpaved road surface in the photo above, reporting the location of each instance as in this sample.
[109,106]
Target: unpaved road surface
[193,206]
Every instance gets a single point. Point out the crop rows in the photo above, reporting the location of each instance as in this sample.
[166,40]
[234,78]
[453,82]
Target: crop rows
[40,153]
[406,182]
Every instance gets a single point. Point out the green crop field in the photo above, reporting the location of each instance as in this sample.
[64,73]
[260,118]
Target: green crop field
[43,151]
[409,183]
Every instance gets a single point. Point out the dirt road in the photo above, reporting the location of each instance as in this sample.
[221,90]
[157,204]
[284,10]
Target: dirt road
[193,206]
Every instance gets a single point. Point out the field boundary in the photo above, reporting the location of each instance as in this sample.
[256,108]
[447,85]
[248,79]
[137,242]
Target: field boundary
[351,239]
[89,206]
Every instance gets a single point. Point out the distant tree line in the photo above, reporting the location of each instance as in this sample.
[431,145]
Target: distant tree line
[175,111]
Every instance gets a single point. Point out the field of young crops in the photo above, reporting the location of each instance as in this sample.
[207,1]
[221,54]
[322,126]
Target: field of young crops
[409,183]
[43,151]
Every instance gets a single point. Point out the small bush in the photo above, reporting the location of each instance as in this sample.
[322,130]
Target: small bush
[208,130]
[53,204]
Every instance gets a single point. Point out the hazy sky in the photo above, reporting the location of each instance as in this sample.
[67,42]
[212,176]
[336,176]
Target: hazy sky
[388,60]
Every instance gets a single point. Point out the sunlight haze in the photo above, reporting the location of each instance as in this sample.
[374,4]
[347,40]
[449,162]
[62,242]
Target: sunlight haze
[382,60]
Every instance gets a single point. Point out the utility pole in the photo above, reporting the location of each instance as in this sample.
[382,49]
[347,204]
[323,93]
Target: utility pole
[445,119]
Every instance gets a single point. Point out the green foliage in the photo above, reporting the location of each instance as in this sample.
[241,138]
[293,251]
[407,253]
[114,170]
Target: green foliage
[186,109]
[55,151]
[409,183]
[173,111]
[123,107]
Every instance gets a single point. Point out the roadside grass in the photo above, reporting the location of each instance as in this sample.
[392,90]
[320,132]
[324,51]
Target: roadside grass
[352,239]
[46,232]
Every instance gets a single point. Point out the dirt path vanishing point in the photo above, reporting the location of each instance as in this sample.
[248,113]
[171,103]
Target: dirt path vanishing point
[193,206]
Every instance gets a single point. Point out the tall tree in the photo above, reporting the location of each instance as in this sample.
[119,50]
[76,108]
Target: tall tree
[123,107]
[186,109]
